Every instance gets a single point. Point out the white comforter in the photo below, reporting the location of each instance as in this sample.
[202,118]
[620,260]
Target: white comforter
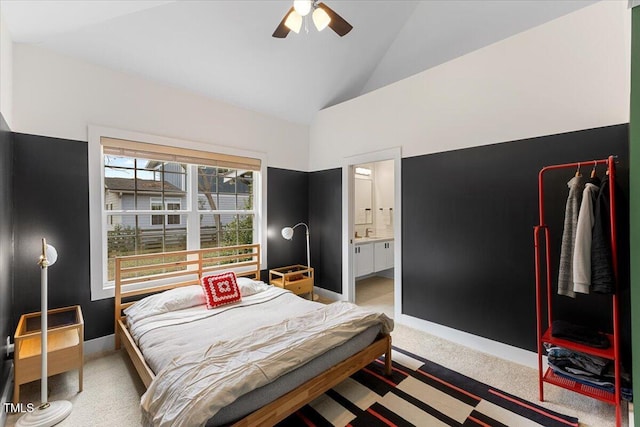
[193,387]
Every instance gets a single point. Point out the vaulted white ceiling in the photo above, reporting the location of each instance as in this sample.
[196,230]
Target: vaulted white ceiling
[224,49]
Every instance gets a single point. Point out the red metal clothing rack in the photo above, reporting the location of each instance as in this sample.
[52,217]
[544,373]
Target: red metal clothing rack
[544,333]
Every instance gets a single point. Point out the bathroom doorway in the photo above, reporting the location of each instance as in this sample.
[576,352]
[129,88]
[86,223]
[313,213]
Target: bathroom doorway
[372,218]
[373,235]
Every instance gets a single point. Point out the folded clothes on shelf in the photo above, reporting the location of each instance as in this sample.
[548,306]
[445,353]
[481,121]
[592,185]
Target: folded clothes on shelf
[579,334]
[586,369]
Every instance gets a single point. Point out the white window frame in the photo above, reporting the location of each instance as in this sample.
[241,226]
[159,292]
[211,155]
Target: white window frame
[100,287]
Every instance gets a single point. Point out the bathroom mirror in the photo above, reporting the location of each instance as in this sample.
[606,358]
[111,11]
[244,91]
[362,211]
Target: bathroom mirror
[363,201]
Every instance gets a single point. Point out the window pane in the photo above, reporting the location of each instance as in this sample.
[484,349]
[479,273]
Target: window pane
[210,226]
[224,189]
[128,236]
[245,182]
[208,201]
[245,229]
[226,180]
[237,229]
[129,182]
[244,202]
[207,187]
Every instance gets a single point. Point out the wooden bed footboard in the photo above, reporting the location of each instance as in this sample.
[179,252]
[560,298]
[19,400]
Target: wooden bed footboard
[290,402]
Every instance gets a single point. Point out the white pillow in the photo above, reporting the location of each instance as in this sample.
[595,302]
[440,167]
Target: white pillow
[173,299]
[250,287]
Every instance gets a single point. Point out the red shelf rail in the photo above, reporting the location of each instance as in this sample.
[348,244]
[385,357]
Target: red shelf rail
[544,333]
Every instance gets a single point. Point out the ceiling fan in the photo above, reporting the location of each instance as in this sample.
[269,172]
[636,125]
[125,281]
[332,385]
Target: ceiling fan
[321,14]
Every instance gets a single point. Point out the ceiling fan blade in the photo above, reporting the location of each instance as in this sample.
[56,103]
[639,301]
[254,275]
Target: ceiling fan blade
[337,24]
[282,30]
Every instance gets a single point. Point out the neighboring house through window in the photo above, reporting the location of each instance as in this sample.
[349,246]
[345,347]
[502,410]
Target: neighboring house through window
[158,198]
[169,205]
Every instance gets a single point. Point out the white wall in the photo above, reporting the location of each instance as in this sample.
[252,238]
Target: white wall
[57,96]
[569,74]
[6,73]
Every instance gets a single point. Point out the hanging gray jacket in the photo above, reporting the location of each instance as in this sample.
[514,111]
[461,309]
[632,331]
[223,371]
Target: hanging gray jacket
[602,278]
[565,274]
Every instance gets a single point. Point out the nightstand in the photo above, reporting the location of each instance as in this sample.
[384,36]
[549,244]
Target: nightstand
[296,278]
[64,346]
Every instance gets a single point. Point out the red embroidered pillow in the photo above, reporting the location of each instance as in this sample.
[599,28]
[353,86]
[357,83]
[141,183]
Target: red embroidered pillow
[221,289]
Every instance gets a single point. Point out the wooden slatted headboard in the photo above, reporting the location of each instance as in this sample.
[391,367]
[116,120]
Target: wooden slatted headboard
[168,270]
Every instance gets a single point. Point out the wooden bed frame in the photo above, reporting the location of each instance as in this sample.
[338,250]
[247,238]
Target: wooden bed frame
[185,268]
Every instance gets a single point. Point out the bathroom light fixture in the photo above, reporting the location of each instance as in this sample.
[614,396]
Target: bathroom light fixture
[48,413]
[363,171]
[287,233]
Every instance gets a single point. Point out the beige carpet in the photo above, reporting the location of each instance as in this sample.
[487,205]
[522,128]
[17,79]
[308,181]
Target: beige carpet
[112,389]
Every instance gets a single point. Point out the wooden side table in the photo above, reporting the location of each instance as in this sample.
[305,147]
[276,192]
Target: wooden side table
[64,346]
[296,278]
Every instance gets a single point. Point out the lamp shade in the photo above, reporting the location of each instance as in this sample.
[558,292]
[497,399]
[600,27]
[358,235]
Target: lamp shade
[294,22]
[303,7]
[52,255]
[321,19]
[287,233]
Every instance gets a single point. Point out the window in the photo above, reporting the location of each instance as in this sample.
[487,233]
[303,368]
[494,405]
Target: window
[169,205]
[158,198]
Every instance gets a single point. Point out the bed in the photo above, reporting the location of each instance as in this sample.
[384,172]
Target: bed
[295,384]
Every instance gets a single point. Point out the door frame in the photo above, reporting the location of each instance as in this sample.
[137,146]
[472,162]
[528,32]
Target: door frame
[348,280]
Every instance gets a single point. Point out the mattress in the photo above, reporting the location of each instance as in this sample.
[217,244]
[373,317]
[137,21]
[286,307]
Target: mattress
[257,398]
[163,336]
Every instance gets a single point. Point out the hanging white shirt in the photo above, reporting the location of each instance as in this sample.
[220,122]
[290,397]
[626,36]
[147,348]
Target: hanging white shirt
[582,247]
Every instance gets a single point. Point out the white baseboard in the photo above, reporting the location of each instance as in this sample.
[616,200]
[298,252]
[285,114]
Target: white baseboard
[6,394]
[327,294]
[485,345]
[99,345]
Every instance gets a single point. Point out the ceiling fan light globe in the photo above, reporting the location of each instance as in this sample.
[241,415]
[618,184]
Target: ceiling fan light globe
[303,7]
[321,19]
[294,22]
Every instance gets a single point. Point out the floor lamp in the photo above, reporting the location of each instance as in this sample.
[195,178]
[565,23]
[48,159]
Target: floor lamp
[48,413]
[287,233]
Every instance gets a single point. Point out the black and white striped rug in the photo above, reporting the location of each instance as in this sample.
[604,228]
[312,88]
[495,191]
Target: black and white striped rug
[420,393]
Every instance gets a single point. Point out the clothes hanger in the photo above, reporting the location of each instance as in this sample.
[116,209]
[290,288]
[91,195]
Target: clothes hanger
[593,171]
[578,171]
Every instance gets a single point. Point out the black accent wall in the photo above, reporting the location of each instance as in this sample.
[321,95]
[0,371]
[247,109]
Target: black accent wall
[51,200]
[6,240]
[468,218]
[287,205]
[325,223]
